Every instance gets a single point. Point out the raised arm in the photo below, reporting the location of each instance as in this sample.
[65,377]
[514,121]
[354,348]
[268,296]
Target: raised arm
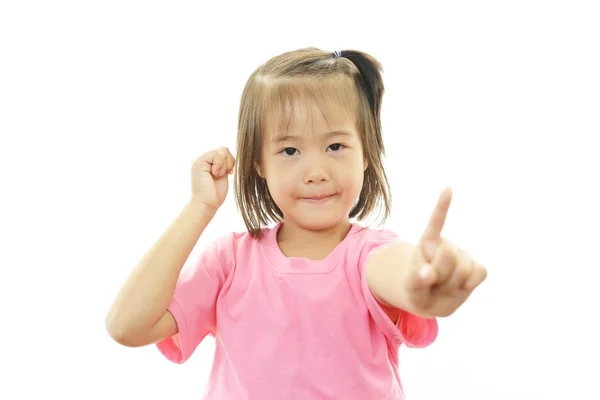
[138,315]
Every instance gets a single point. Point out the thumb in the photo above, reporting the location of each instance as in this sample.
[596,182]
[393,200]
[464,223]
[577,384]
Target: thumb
[422,275]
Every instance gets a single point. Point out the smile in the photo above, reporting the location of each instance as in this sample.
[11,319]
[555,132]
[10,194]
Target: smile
[318,199]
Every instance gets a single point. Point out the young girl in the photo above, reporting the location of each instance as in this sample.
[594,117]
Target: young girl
[316,306]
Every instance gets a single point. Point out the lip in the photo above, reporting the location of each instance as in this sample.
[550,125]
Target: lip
[318,199]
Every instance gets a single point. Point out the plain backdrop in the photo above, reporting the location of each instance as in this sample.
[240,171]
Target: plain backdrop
[104,105]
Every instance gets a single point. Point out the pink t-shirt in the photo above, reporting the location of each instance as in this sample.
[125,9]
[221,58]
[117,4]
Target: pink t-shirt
[292,328]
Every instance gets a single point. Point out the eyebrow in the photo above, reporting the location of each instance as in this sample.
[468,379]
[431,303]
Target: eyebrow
[284,138]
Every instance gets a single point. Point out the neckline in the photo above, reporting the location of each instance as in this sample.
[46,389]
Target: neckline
[301,265]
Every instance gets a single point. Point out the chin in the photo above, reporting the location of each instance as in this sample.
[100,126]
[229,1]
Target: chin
[317,222]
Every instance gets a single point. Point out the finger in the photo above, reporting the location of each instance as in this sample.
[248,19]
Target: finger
[444,264]
[422,278]
[432,235]
[478,275]
[218,162]
[436,273]
[461,273]
[230,162]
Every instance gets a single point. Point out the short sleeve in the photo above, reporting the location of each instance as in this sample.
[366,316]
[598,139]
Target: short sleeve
[194,302]
[411,330]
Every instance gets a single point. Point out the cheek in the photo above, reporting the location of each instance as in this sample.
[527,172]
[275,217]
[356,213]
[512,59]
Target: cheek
[280,185]
[353,176]
[355,184]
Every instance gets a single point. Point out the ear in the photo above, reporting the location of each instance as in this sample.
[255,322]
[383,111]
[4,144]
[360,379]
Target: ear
[366,164]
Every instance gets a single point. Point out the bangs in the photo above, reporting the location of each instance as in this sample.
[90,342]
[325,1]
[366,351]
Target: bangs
[335,98]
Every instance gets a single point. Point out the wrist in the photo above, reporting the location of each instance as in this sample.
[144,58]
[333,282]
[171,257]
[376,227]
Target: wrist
[201,209]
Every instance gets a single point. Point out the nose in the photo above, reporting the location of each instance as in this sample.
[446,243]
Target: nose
[315,172]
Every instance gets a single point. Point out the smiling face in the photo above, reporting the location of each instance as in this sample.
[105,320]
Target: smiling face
[314,170]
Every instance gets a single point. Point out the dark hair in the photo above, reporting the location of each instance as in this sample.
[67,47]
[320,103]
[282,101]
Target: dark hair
[351,82]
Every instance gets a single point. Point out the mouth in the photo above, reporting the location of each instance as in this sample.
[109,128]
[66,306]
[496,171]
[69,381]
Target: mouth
[318,199]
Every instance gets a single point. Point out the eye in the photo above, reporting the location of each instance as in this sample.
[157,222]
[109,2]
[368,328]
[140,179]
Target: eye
[336,146]
[290,151]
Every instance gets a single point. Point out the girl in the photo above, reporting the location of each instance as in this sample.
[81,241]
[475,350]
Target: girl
[316,306]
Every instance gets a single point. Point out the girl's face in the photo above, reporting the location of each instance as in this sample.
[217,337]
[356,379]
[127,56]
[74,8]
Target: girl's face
[314,173]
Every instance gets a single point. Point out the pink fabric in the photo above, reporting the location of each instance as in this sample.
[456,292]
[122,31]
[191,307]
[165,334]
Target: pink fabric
[292,328]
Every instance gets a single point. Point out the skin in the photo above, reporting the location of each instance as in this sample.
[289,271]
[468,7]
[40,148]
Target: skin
[431,278]
[313,161]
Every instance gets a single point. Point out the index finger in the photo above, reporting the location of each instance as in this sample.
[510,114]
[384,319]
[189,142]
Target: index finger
[433,231]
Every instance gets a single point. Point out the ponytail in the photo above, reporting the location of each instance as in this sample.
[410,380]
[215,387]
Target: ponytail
[369,80]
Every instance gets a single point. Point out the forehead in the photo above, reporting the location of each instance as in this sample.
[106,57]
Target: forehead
[307,119]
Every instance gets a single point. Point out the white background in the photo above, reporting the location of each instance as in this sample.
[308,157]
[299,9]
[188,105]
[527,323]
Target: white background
[104,105]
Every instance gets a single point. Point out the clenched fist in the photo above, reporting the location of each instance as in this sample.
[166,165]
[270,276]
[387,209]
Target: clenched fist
[210,177]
